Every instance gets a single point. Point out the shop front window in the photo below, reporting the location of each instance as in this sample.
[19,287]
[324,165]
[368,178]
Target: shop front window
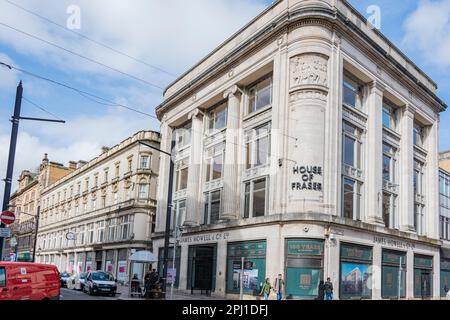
[356,271]
[254,268]
[393,274]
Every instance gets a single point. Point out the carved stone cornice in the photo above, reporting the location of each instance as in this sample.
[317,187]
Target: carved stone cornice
[195,113]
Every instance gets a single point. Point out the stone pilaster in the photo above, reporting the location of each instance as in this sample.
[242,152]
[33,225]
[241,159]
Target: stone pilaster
[406,192]
[193,184]
[374,148]
[431,223]
[230,198]
[163,185]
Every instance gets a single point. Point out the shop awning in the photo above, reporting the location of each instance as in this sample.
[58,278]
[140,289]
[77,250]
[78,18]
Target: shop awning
[143,256]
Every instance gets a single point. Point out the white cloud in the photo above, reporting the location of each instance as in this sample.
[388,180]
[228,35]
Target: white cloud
[172,34]
[8,78]
[427,29]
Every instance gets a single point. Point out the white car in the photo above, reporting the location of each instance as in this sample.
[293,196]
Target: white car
[77,281]
[99,282]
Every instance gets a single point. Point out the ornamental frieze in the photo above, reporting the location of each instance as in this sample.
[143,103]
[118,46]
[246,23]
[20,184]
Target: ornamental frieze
[309,69]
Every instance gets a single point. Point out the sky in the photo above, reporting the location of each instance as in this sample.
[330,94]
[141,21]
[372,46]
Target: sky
[164,38]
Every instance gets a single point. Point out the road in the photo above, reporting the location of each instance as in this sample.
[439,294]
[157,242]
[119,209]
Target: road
[69,294]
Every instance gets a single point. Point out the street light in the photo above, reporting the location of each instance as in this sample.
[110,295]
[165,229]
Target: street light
[168,213]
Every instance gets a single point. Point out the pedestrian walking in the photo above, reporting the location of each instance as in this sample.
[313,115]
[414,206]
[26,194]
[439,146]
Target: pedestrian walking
[321,291]
[328,286]
[279,286]
[447,292]
[265,289]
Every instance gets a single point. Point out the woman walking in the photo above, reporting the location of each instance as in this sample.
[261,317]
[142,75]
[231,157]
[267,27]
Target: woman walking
[265,289]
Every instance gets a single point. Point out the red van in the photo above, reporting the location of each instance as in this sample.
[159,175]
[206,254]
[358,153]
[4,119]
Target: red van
[28,281]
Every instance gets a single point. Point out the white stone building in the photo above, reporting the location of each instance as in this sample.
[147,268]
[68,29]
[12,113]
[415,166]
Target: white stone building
[108,204]
[307,143]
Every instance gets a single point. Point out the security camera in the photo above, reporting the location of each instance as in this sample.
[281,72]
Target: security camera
[332,236]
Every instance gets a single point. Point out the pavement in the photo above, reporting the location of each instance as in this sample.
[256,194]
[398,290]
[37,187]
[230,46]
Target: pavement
[122,294]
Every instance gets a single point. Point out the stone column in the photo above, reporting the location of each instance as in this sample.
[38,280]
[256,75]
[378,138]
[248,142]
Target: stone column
[374,162]
[193,184]
[308,100]
[431,224]
[230,198]
[406,192]
[163,183]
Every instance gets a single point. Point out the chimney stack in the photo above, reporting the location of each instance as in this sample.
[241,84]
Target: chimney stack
[72,165]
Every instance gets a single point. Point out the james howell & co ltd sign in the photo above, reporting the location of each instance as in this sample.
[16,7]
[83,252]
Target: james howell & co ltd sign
[209,237]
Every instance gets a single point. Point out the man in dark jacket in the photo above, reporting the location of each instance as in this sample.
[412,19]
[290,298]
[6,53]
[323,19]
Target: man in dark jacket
[328,287]
[321,294]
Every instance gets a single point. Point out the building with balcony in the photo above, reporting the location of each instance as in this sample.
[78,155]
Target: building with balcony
[306,144]
[25,202]
[94,218]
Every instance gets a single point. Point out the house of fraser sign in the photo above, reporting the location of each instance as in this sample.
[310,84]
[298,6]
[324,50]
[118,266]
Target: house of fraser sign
[306,180]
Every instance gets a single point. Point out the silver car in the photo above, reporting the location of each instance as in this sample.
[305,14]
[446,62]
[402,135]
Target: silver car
[77,281]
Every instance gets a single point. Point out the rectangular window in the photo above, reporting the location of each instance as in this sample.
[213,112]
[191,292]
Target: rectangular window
[82,235]
[184,136]
[100,231]
[215,158]
[260,95]
[145,162]
[389,115]
[212,207]
[255,198]
[387,205]
[179,215]
[117,170]
[257,146]
[125,227]
[112,229]
[218,118]
[181,175]
[351,199]
[352,93]
[91,233]
[418,135]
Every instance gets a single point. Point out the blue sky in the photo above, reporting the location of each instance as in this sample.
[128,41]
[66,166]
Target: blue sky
[172,35]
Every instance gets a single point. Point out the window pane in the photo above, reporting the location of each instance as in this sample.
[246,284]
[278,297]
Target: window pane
[386,209]
[221,118]
[386,117]
[348,205]
[183,178]
[248,158]
[217,167]
[259,198]
[215,206]
[386,168]
[247,201]
[262,148]
[349,151]
[208,170]
[349,95]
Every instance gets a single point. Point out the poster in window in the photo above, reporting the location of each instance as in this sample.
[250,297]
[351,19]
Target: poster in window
[171,275]
[249,281]
[305,281]
[122,270]
[355,279]
[109,266]
[80,266]
[88,266]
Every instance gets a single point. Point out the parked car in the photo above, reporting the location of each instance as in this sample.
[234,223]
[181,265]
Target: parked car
[64,276]
[28,281]
[76,282]
[99,282]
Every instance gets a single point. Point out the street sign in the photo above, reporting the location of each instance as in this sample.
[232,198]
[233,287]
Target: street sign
[5,232]
[7,217]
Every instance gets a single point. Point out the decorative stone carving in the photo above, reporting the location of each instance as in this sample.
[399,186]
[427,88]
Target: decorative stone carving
[309,69]
[308,94]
